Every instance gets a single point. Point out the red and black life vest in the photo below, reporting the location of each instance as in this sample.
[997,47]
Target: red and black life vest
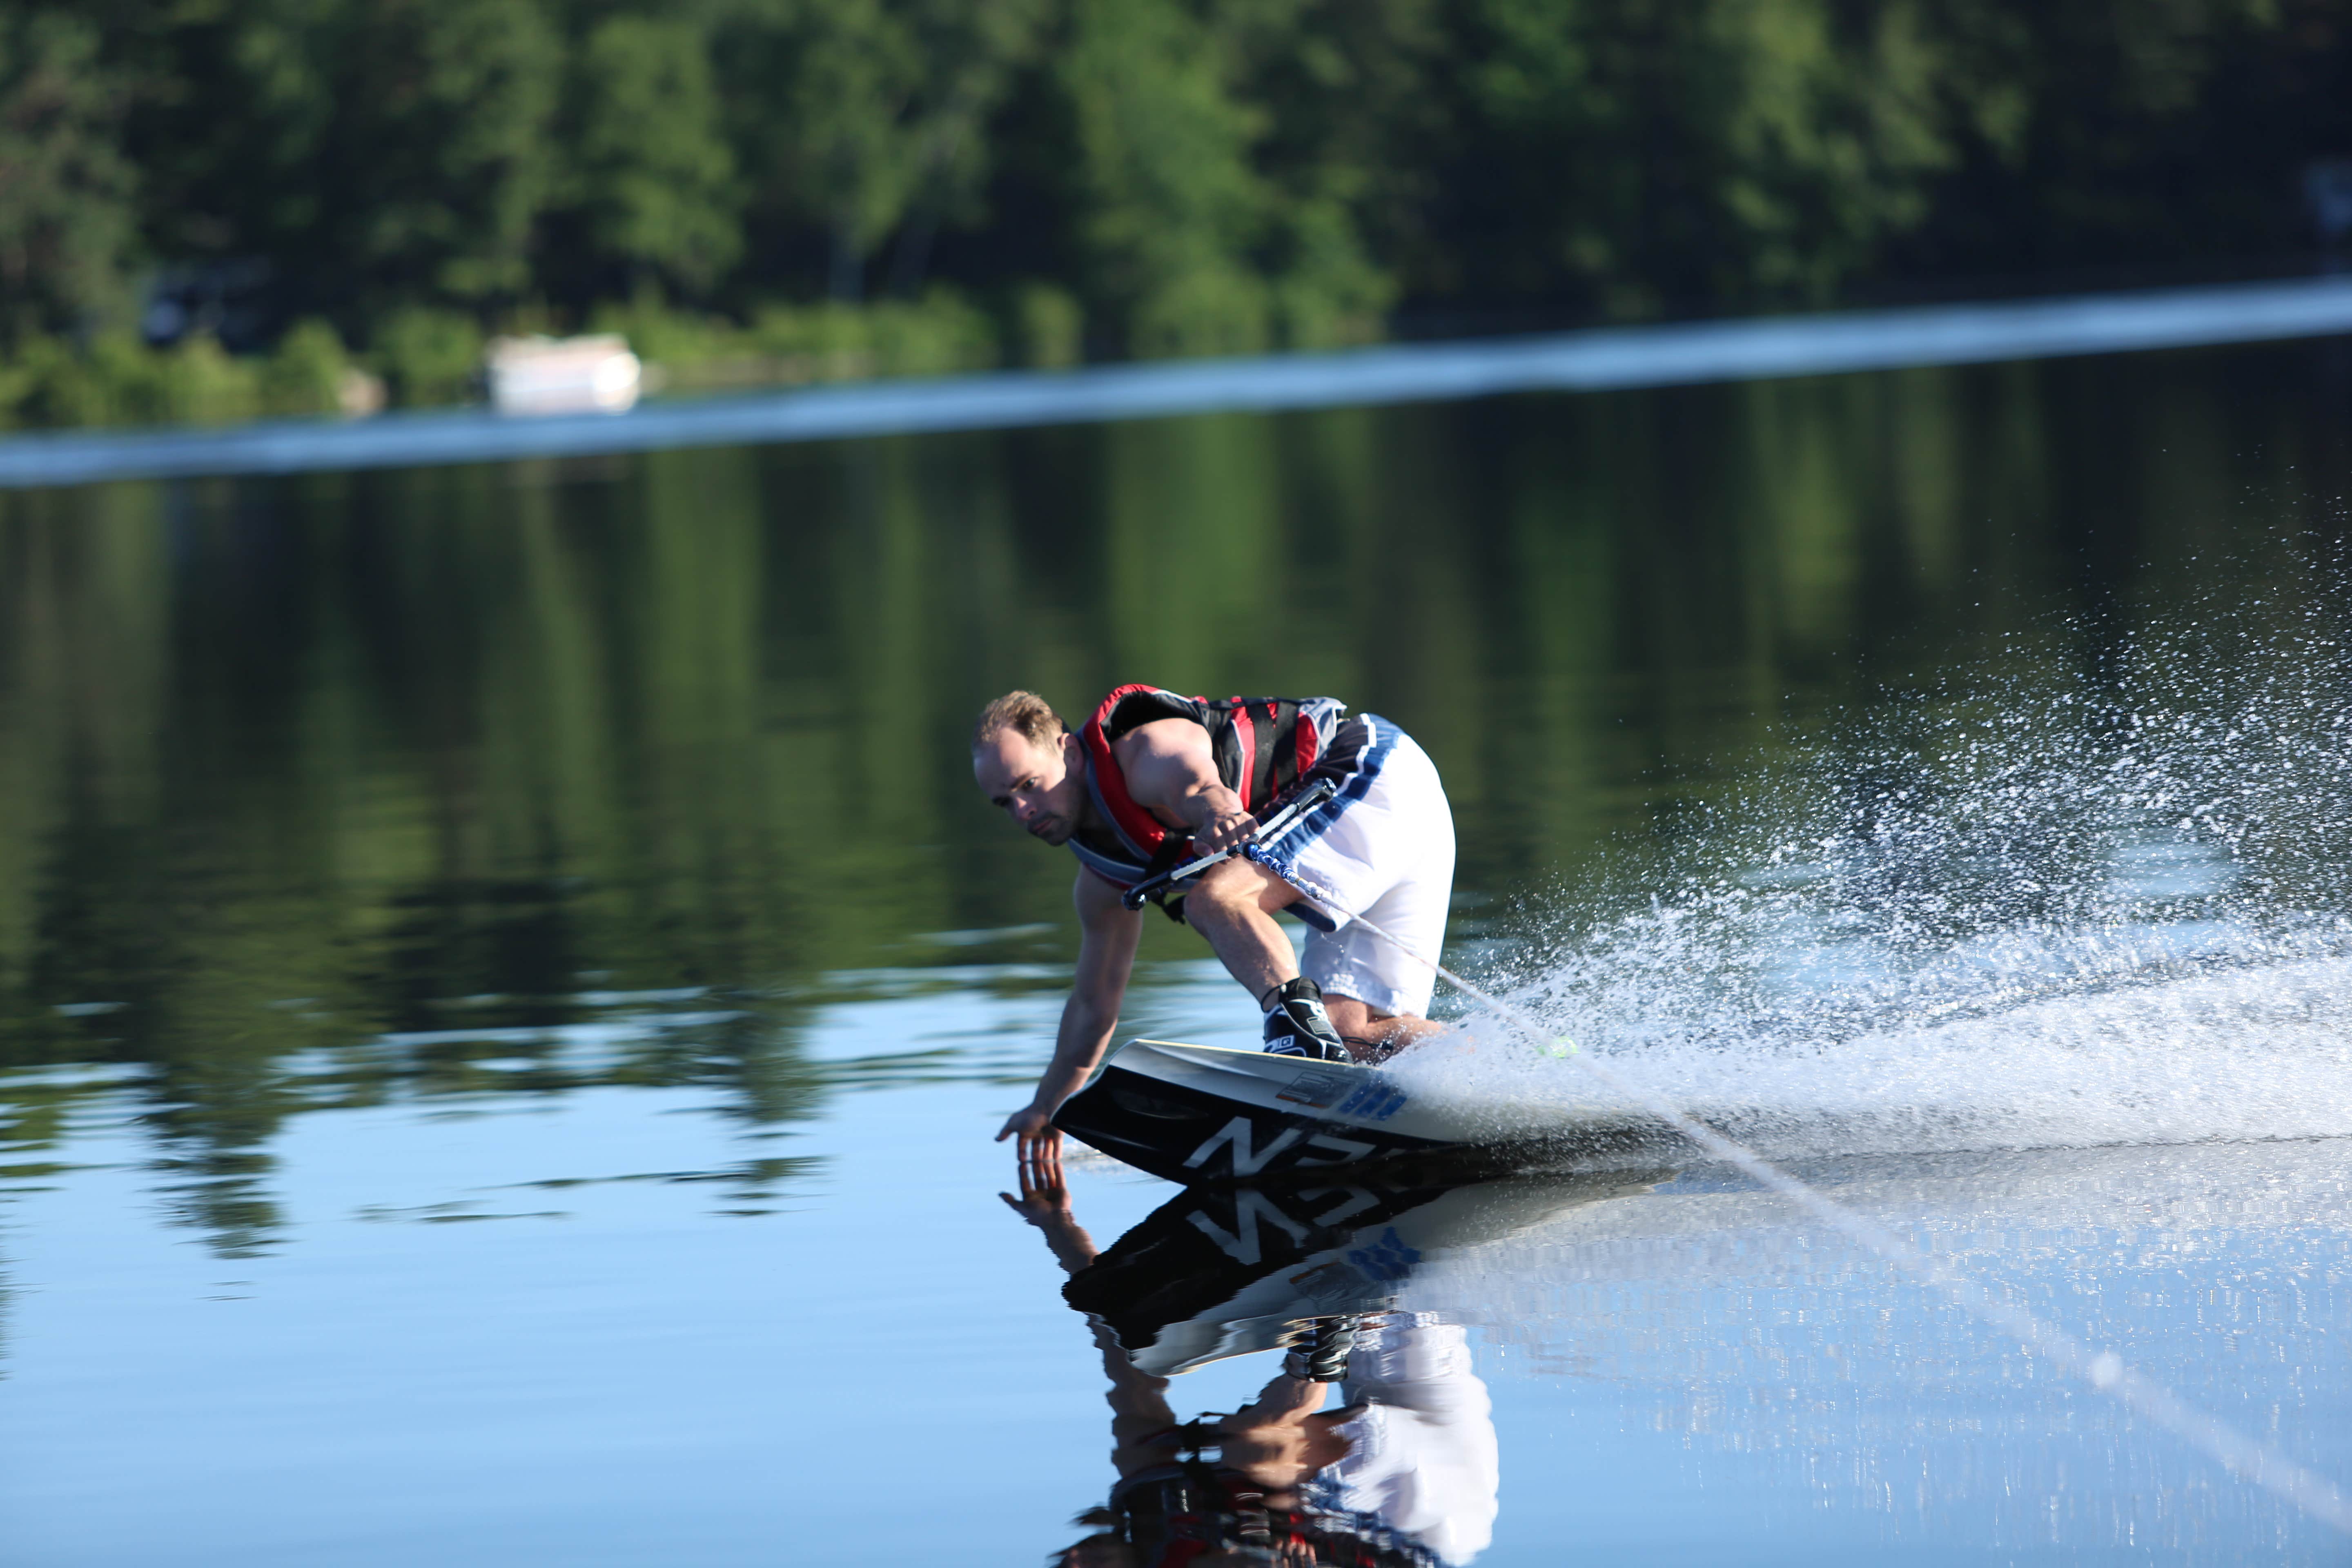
[1262,747]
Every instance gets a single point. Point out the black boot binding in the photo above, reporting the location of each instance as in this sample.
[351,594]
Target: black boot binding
[1297,1024]
[1318,1347]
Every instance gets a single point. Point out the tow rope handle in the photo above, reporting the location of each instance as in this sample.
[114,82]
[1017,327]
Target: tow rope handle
[1272,828]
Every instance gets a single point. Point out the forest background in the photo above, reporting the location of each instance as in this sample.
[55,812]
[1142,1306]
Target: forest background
[210,208]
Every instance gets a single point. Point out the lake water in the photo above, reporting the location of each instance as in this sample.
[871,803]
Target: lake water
[505,985]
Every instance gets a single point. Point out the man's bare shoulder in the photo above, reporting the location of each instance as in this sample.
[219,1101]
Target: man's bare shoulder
[1161,737]
[1158,758]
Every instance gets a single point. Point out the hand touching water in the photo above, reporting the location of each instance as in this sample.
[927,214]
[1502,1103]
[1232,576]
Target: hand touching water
[1038,1152]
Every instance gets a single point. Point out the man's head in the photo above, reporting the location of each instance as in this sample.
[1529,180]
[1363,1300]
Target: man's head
[1028,762]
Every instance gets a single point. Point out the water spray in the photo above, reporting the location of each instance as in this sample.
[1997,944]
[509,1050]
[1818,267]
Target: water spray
[2234,1451]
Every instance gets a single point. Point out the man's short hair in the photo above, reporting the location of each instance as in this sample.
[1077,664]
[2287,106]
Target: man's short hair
[1025,713]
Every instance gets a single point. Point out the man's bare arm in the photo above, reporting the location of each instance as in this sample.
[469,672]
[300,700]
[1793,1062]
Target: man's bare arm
[1170,766]
[1107,934]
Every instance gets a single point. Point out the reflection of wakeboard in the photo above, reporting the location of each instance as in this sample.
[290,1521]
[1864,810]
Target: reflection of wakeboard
[1217,1272]
[1203,1113]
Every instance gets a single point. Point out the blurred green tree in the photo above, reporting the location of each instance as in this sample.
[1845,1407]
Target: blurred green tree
[1173,203]
[67,217]
[651,169]
[1347,89]
[2118,139]
[375,151]
[1647,154]
[859,118]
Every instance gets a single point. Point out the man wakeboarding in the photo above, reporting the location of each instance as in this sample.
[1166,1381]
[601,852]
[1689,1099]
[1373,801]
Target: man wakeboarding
[1153,781]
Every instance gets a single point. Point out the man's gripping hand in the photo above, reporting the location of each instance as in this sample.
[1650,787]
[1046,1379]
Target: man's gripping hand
[1227,826]
[1039,1152]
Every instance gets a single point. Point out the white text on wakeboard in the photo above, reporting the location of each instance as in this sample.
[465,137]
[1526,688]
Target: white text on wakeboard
[1249,1160]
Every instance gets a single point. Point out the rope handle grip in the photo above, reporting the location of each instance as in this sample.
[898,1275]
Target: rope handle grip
[1272,828]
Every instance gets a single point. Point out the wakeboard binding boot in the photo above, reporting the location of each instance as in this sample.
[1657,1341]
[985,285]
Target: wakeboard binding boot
[1297,1024]
[1315,1350]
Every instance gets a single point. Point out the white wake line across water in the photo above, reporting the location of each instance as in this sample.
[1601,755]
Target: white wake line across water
[2241,1456]
[1604,359]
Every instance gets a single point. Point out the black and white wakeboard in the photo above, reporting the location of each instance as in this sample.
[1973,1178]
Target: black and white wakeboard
[1206,1113]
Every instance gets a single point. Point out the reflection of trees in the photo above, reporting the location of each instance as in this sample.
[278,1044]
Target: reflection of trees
[288,766]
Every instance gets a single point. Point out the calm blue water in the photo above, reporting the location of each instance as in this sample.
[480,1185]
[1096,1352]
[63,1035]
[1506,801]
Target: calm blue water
[505,987]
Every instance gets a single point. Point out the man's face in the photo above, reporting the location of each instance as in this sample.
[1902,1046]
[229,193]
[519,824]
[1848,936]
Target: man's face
[1039,786]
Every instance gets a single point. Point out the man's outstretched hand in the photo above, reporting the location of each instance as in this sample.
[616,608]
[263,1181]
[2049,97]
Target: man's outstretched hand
[1039,1152]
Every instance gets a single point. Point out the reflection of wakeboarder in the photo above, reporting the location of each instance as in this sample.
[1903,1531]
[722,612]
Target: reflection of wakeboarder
[1153,782]
[1405,1473]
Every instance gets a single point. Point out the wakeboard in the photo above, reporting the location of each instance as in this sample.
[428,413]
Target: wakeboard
[1206,1113]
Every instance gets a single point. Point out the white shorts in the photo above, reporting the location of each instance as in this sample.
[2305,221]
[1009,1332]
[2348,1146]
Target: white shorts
[1382,849]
